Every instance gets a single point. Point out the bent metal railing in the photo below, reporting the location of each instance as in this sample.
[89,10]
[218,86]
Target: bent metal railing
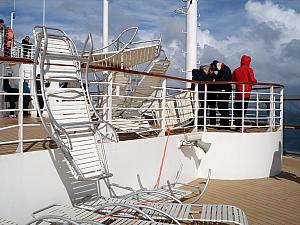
[168,107]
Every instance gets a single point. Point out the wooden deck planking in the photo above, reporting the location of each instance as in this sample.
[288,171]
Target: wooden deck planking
[274,200]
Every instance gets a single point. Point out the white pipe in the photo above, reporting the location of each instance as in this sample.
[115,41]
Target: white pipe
[191,39]
[12,16]
[44,12]
[105,24]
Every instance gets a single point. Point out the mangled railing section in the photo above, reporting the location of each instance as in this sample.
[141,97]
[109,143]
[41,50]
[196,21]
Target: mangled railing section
[153,109]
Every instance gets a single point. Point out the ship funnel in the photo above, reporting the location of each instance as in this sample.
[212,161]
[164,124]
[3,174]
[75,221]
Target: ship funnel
[194,139]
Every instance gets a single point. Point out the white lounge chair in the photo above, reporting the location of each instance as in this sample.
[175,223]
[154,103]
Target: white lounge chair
[108,213]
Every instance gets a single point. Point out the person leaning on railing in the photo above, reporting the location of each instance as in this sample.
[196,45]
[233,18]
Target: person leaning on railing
[12,99]
[26,46]
[223,73]
[244,73]
[201,74]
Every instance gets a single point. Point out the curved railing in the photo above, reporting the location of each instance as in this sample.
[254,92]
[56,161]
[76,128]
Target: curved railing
[175,107]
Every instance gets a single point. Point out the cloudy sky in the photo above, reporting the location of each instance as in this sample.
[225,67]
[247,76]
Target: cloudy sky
[269,31]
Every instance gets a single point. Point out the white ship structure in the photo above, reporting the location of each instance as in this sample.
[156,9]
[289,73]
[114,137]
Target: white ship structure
[110,115]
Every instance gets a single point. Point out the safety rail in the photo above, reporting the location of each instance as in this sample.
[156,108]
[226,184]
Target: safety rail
[167,107]
[14,48]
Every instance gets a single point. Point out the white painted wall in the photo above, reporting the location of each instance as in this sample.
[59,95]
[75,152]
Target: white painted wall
[33,180]
[242,156]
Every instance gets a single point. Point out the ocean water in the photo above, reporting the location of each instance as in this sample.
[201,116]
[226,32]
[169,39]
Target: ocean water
[291,137]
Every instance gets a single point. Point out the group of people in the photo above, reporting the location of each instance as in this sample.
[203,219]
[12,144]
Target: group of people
[218,94]
[7,41]
[13,99]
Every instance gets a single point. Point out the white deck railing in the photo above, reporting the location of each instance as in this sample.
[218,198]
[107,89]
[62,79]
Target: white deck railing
[176,108]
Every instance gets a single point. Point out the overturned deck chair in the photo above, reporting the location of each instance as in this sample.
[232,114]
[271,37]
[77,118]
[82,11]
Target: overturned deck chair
[105,214]
[52,219]
[168,212]
[74,125]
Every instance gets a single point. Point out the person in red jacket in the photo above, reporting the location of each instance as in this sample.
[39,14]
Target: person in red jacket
[244,73]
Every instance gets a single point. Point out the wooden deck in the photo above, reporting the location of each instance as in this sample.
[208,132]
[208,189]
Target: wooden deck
[274,200]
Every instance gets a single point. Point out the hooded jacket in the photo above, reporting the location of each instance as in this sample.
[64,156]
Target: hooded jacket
[244,73]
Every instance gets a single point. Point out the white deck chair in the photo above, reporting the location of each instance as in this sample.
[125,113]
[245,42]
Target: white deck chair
[185,107]
[182,212]
[108,213]
[52,219]
[74,125]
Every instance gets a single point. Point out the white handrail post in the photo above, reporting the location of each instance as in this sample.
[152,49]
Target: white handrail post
[109,100]
[196,107]
[20,114]
[281,108]
[243,107]
[271,113]
[205,107]
[232,108]
[163,108]
[257,106]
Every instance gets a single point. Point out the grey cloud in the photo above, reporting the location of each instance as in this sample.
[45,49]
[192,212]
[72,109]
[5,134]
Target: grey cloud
[291,51]
[209,54]
[265,32]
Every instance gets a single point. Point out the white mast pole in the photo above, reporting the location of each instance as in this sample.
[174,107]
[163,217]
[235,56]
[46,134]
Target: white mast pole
[191,39]
[44,12]
[108,105]
[105,24]
[12,16]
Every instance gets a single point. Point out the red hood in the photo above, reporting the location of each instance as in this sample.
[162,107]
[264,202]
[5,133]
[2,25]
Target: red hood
[245,60]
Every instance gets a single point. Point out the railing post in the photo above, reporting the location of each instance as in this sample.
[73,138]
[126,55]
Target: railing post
[243,108]
[196,107]
[20,114]
[257,106]
[163,108]
[271,113]
[232,108]
[109,102]
[205,107]
[281,108]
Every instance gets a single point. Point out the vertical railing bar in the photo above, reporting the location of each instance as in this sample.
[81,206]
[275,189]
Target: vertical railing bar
[232,107]
[271,109]
[281,108]
[243,107]
[163,111]
[257,106]
[20,116]
[196,94]
[205,104]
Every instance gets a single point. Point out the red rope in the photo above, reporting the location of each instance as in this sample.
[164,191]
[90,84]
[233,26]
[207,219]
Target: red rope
[162,160]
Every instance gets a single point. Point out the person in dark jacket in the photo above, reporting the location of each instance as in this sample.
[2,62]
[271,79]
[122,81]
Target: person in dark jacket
[26,46]
[203,74]
[223,73]
[244,73]
[26,98]
[11,99]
